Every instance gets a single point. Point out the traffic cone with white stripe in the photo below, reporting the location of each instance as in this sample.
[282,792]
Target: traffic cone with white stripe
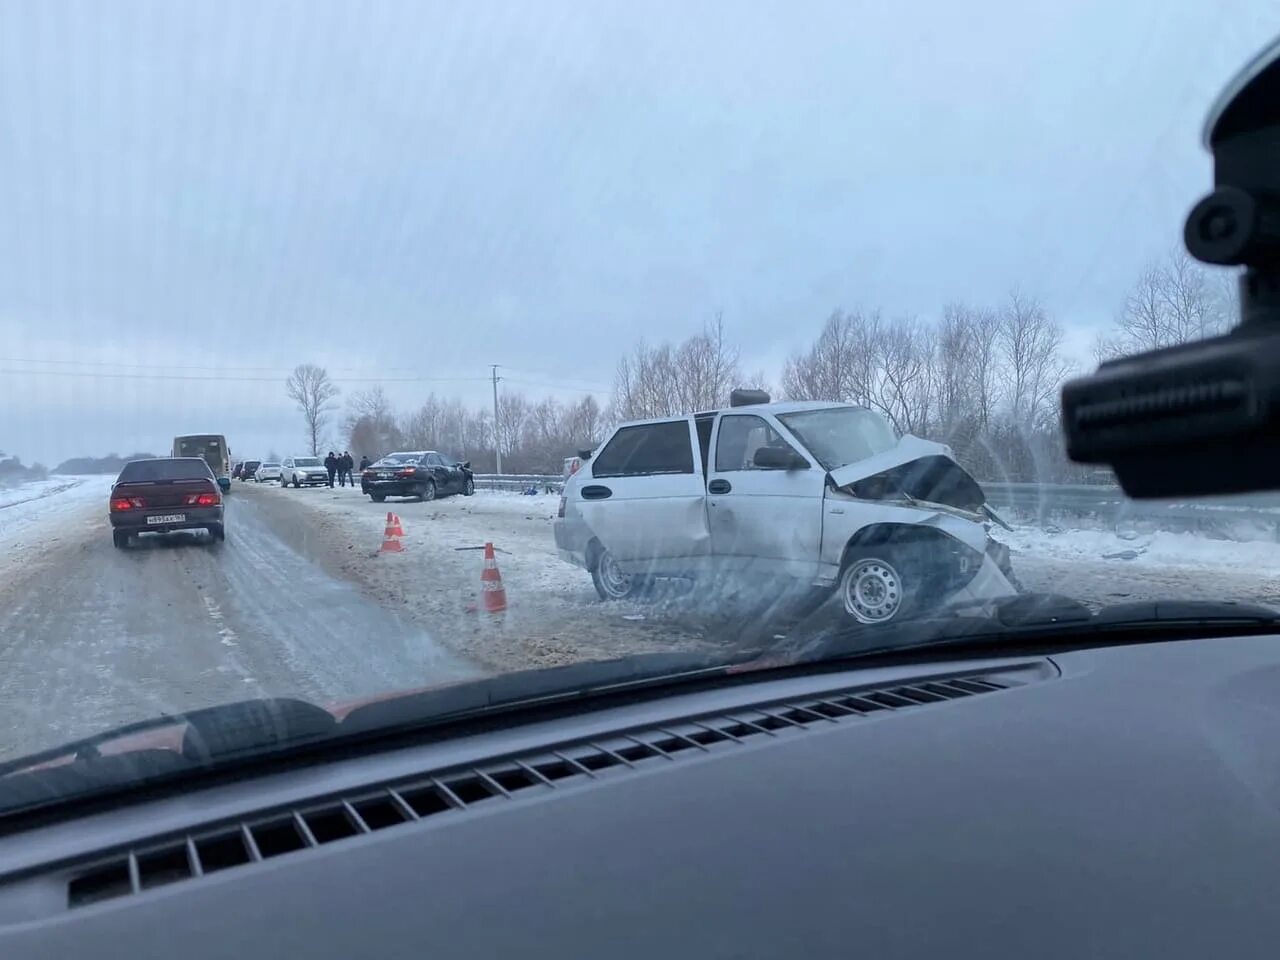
[391,538]
[495,594]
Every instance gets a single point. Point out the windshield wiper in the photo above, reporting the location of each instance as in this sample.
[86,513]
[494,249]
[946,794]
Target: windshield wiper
[228,736]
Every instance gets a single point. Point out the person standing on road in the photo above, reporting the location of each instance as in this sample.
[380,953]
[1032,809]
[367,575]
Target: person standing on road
[331,464]
[365,463]
[345,465]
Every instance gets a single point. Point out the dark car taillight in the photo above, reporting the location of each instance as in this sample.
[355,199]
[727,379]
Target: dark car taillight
[203,500]
[120,504]
[406,472]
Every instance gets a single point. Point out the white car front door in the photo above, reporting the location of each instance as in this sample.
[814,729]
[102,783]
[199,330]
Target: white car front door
[645,498]
[765,519]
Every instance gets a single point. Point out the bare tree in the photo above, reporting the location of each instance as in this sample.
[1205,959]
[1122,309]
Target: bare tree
[1174,300]
[311,389]
[952,368]
[370,425]
[1029,348]
[513,409]
[705,370]
[643,383]
[899,386]
[585,422]
[842,363]
[666,380]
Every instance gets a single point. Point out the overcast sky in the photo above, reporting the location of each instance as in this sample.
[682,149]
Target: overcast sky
[196,197]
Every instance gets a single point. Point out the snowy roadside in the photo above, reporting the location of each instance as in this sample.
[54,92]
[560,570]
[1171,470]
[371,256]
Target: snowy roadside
[36,490]
[554,616]
[39,518]
[1157,548]
[1098,567]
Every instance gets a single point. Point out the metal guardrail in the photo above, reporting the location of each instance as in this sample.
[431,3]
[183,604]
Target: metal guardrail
[520,482]
[1043,502]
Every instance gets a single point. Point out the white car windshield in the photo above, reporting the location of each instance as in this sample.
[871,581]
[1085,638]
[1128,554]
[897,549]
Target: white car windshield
[841,435]
[306,462]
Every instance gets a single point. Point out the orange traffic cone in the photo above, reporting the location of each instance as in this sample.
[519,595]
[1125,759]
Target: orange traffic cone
[495,594]
[391,539]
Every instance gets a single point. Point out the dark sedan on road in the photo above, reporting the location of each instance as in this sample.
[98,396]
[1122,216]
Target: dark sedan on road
[424,474]
[163,495]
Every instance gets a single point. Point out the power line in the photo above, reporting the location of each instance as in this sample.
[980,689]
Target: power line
[553,376]
[227,379]
[283,371]
[554,386]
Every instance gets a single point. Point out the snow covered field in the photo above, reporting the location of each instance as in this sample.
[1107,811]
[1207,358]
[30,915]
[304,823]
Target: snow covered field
[37,518]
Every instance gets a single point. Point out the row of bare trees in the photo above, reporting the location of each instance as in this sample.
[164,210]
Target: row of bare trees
[1174,301]
[670,379]
[535,436]
[983,379]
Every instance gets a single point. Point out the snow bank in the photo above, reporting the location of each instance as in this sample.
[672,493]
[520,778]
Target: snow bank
[36,489]
[1158,548]
[39,516]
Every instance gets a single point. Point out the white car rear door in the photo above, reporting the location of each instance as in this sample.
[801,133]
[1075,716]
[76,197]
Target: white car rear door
[766,520]
[645,498]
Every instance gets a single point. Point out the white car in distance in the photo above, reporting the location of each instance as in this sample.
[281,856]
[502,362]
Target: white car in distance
[303,472]
[267,470]
[814,493]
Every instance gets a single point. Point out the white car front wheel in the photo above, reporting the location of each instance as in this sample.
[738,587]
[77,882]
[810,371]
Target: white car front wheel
[872,590]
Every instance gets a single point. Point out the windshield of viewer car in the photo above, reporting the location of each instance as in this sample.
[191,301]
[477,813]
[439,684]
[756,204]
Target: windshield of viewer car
[742,324]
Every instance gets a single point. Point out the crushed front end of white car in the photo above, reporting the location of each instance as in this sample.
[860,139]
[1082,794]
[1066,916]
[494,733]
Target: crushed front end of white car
[906,530]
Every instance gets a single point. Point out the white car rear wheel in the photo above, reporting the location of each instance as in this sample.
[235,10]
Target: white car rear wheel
[611,582]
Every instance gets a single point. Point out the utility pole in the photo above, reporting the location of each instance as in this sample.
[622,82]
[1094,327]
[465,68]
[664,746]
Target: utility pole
[497,435]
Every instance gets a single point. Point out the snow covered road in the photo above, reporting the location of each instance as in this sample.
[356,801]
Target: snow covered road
[91,636]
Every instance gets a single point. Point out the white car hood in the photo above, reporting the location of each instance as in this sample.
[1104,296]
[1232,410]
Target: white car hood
[908,448]
[939,479]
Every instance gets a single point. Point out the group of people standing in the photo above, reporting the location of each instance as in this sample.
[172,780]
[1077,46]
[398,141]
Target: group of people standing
[341,467]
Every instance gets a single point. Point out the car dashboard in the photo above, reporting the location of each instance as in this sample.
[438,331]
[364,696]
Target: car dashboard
[1109,802]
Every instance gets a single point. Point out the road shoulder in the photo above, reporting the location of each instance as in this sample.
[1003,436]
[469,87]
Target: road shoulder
[553,616]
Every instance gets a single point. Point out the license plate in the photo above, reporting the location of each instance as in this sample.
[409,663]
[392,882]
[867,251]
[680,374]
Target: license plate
[168,518]
[383,475]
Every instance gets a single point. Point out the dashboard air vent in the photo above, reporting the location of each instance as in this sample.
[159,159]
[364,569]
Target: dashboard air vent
[282,832]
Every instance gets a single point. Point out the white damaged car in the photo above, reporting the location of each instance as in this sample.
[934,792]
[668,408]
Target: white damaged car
[818,493]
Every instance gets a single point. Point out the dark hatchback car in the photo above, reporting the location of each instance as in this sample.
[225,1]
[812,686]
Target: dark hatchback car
[425,474]
[248,470]
[163,495]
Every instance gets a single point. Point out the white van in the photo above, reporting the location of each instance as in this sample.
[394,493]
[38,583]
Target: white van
[817,492]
